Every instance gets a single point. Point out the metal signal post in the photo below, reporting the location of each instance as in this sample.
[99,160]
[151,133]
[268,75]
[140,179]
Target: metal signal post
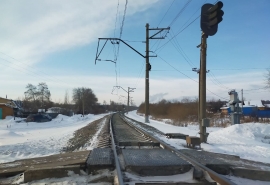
[211,16]
[202,88]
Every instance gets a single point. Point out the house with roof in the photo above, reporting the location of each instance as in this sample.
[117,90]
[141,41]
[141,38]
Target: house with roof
[9,107]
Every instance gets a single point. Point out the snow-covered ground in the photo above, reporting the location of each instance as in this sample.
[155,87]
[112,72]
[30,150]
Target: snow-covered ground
[249,141]
[26,140]
[20,140]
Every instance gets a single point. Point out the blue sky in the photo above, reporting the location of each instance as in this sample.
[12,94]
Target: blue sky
[56,41]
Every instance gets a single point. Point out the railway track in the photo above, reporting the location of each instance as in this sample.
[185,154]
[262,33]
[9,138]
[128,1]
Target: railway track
[141,158]
[132,153]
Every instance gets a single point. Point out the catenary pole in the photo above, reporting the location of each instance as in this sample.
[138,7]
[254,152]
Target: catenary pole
[147,75]
[203,136]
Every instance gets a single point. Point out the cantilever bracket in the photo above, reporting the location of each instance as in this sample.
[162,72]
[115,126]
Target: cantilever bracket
[97,55]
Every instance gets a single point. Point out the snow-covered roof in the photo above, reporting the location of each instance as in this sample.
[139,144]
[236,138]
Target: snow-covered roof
[8,105]
[252,103]
[17,103]
[224,107]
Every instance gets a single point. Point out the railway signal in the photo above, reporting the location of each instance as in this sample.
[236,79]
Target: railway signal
[211,16]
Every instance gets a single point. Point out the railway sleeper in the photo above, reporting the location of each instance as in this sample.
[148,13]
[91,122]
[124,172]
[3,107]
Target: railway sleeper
[139,144]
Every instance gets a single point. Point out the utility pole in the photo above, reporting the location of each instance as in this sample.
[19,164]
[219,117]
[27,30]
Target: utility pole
[129,90]
[148,65]
[147,75]
[203,134]
[242,102]
[83,101]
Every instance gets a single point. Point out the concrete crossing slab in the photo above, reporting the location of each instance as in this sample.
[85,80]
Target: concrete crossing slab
[100,158]
[65,159]
[154,162]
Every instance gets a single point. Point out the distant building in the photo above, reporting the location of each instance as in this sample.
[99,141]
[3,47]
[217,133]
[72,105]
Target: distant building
[259,109]
[54,111]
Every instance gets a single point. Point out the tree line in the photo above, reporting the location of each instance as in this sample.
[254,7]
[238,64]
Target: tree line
[180,111]
[84,100]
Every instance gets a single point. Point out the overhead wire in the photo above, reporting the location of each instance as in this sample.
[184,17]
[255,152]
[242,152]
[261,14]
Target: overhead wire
[177,34]
[30,69]
[133,41]
[36,75]
[158,41]
[217,81]
[190,77]
[165,13]
[180,12]
[192,15]
[140,75]
[115,23]
[176,17]
[113,45]
[182,29]
[257,92]
[178,49]
[120,36]
[256,89]
[116,50]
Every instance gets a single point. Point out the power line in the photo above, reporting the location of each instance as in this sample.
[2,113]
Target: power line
[33,73]
[180,12]
[123,20]
[134,41]
[257,92]
[192,15]
[116,18]
[140,75]
[181,51]
[176,69]
[190,78]
[238,69]
[166,13]
[217,81]
[176,17]
[29,69]
[120,36]
[158,41]
[178,33]
[256,89]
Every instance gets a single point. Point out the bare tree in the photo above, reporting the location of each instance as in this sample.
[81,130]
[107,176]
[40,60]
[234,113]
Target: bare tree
[66,101]
[44,94]
[30,93]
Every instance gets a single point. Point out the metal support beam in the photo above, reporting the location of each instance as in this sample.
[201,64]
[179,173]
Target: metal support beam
[147,64]
[203,134]
[147,75]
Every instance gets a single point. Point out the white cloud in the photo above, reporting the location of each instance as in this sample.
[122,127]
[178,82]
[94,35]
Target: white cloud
[31,29]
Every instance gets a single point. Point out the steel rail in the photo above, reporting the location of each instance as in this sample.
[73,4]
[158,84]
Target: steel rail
[117,164]
[215,176]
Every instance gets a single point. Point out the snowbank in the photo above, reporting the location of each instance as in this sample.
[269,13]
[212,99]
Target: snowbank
[249,140]
[25,140]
